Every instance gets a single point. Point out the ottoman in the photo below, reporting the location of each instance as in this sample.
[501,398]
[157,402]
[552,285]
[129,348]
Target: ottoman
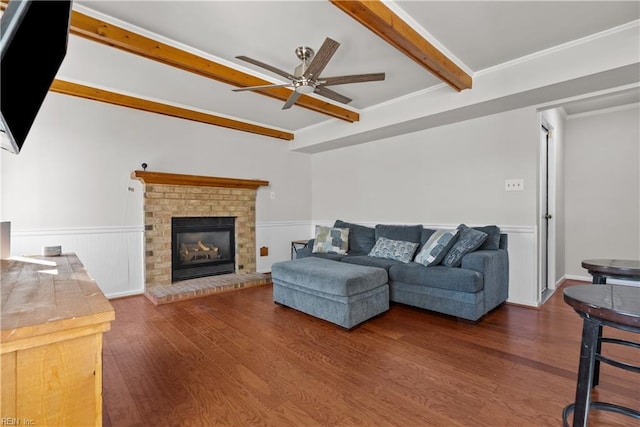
[341,293]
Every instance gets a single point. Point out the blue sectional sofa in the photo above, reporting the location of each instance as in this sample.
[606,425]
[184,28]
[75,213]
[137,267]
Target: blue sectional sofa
[469,290]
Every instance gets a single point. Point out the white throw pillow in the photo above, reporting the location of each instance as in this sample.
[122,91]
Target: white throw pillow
[331,240]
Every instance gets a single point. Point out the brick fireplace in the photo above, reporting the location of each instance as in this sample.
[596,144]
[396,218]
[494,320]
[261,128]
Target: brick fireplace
[168,196]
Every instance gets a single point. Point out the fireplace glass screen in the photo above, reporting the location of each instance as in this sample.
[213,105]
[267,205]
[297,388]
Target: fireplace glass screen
[202,246]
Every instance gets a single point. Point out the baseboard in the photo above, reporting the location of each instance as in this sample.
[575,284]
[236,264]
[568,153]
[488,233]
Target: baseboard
[116,295]
[546,295]
[609,280]
[515,304]
[579,278]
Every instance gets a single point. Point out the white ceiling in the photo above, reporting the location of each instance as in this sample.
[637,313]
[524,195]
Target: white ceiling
[610,100]
[484,34]
[477,35]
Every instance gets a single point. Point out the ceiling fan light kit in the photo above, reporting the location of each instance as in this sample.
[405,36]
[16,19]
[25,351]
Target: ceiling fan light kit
[306,76]
[305,86]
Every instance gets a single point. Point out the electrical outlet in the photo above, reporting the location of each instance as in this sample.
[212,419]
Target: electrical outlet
[514,184]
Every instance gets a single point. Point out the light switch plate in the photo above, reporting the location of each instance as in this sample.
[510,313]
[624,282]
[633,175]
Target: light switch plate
[514,184]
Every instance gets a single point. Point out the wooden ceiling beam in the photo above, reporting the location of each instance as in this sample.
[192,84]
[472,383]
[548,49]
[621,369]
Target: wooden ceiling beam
[103,32]
[377,17]
[88,92]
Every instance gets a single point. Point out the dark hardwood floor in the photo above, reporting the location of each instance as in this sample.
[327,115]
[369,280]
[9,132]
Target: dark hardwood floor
[238,359]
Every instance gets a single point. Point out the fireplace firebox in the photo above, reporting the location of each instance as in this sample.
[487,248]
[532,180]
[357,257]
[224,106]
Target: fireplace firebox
[202,246]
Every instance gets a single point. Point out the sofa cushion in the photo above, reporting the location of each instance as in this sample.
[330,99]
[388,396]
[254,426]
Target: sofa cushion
[468,241]
[405,233]
[361,238]
[370,261]
[331,240]
[436,247]
[394,249]
[493,237]
[438,276]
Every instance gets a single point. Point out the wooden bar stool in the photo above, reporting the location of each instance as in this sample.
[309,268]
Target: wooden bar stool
[613,306]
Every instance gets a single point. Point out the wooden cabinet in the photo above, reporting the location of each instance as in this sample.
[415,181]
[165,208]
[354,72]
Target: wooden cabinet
[53,318]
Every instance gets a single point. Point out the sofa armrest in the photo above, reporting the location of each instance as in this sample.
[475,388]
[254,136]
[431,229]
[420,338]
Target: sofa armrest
[504,241]
[494,267]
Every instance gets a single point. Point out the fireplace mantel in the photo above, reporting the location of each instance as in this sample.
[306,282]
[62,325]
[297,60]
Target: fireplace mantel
[196,180]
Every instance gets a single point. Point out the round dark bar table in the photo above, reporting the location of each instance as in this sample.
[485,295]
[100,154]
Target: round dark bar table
[616,306]
[600,269]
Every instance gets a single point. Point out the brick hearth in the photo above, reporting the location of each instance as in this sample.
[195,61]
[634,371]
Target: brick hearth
[194,288]
[172,195]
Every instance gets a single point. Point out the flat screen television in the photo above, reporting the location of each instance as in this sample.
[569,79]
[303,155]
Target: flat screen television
[33,43]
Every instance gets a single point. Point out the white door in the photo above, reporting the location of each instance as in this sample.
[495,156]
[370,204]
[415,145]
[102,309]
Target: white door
[547,208]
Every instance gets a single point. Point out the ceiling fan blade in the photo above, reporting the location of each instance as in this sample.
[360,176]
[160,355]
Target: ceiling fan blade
[356,78]
[321,58]
[291,100]
[260,87]
[265,66]
[328,93]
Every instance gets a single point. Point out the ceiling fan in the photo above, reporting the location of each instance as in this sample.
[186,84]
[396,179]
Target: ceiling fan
[306,76]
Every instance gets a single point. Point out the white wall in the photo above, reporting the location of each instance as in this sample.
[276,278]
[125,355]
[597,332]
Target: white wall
[72,178]
[449,174]
[443,176]
[602,187]
[81,150]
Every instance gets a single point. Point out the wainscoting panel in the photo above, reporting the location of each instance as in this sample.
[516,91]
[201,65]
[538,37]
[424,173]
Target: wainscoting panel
[523,265]
[277,236]
[113,256]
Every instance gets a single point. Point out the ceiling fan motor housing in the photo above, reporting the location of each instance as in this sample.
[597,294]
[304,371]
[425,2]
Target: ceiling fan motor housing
[304,53]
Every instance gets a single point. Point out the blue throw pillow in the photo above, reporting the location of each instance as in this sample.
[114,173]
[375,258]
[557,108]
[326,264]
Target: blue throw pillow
[493,238]
[397,250]
[469,241]
[436,247]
